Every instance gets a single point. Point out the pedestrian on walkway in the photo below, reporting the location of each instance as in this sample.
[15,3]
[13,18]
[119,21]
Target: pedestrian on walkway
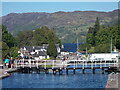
[11,62]
[7,61]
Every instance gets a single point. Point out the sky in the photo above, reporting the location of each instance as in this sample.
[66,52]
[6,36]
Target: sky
[50,7]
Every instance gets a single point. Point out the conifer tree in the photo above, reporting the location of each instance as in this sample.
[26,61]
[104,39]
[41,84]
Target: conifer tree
[52,50]
[96,26]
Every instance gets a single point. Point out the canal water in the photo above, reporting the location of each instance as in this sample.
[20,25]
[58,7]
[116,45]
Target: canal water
[42,80]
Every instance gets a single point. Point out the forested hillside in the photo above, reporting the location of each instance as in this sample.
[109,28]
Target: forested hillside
[67,25]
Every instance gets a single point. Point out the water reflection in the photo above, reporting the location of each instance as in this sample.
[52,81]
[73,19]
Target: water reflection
[42,80]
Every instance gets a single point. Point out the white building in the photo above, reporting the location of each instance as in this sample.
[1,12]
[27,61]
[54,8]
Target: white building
[105,56]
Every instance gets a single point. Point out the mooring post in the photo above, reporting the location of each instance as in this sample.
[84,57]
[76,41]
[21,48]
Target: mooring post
[30,63]
[38,71]
[16,63]
[117,62]
[46,71]
[95,63]
[92,64]
[105,63]
[83,65]
[74,64]
[37,64]
[74,71]
[44,64]
[53,64]
[114,62]
[86,62]
[61,63]
[100,64]
[93,70]
[60,71]
[54,71]
[28,70]
[103,71]
[83,71]
[23,62]
[66,71]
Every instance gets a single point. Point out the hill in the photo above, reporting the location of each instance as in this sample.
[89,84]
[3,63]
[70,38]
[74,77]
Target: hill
[67,25]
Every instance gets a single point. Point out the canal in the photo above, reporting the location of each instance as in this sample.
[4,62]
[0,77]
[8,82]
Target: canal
[42,80]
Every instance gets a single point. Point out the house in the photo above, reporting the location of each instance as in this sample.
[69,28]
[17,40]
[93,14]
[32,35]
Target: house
[40,55]
[36,52]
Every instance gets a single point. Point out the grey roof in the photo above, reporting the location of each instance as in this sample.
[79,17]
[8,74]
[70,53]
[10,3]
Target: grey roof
[40,53]
[38,47]
[31,48]
[45,46]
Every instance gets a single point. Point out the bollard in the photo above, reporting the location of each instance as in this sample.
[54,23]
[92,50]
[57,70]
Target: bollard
[60,71]
[67,71]
[74,71]
[103,71]
[54,72]
[83,71]
[93,71]
[46,71]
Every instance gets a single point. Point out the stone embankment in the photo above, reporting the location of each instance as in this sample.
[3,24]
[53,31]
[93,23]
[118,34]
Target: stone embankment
[113,80]
[6,72]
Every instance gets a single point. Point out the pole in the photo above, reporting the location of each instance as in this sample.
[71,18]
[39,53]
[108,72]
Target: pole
[83,65]
[111,49]
[77,48]
[111,46]
[53,64]
[23,62]
[74,64]
[95,62]
[16,63]
[30,63]
[37,63]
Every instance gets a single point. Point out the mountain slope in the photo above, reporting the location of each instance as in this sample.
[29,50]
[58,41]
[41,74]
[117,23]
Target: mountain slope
[67,25]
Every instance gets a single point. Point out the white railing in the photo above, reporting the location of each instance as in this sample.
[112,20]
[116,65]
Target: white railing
[60,64]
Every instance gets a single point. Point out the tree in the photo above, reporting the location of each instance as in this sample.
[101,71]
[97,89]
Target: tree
[5,50]
[52,50]
[8,38]
[24,38]
[84,46]
[91,30]
[102,48]
[14,52]
[40,36]
[105,35]
[91,39]
[96,26]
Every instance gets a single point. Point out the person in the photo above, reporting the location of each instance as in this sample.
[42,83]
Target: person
[7,62]
[11,63]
